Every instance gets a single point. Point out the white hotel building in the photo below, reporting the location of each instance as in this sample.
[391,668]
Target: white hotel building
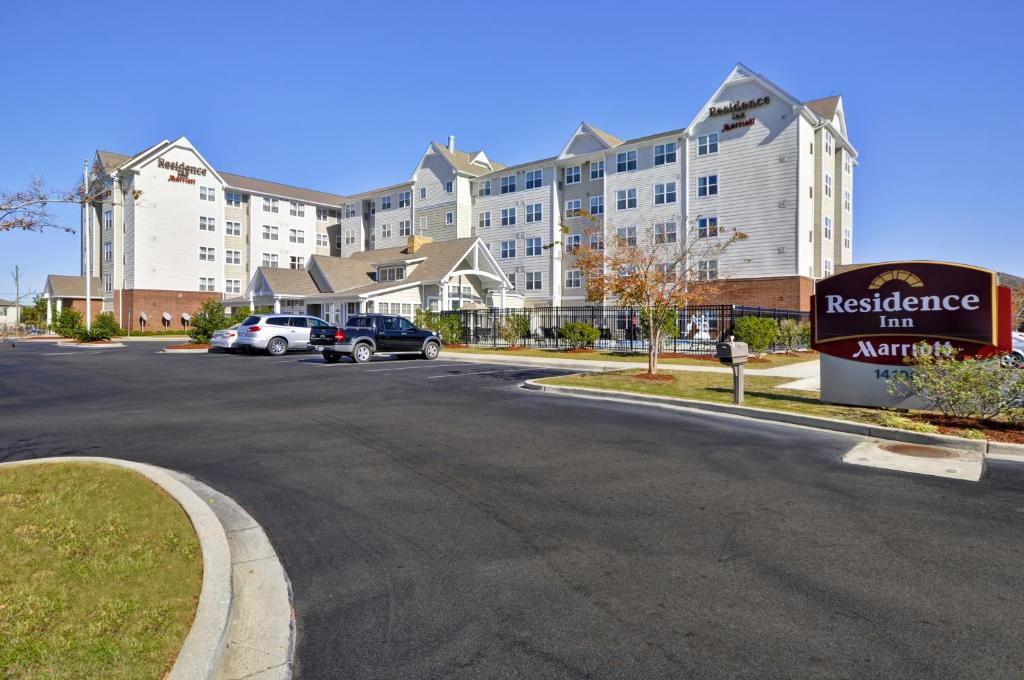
[171,230]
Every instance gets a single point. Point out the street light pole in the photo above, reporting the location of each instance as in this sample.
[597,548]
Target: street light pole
[88,251]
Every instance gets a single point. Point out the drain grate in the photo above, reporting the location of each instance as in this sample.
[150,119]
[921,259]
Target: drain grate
[919,451]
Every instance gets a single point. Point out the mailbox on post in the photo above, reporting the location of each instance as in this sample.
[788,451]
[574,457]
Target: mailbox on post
[734,354]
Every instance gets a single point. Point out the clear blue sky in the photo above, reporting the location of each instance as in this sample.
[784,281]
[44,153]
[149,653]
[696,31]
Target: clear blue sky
[344,96]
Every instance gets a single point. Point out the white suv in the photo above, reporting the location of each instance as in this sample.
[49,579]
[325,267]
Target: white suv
[276,333]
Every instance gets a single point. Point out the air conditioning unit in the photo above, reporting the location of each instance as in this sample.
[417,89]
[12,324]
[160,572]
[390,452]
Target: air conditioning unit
[783,158]
[520,270]
[782,204]
[782,249]
[520,234]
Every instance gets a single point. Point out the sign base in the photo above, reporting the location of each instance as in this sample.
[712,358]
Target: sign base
[856,383]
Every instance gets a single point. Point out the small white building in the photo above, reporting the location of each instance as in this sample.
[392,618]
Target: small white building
[8,314]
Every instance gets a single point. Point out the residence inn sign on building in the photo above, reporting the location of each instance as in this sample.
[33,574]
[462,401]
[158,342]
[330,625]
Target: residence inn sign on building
[870,318]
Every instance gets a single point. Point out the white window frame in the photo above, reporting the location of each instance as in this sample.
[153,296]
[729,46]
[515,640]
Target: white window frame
[573,207]
[449,187]
[385,231]
[207,254]
[233,199]
[627,233]
[385,203]
[207,223]
[668,155]
[534,212]
[826,227]
[847,237]
[534,179]
[232,256]
[508,217]
[404,199]
[666,192]
[573,242]
[270,205]
[597,205]
[483,188]
[207,284]
[666,233]
[449,218]
[826,267]
[828,185]
[574,174]
[405,227]
[596,170]
[233,286]
[707,185]
[625,199]
[707,270]
[707,145]
[573,278]
[232,228]
[625,159]
[508,249]
[296,209]
[534,280]
[707,227]
[296,236]
[508,184]
[484,219]
[847,200]
[597,241]
[534,247]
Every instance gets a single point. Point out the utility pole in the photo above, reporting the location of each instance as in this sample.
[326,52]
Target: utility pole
[17,298]
[88,252]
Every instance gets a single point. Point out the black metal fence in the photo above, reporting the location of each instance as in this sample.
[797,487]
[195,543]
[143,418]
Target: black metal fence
[698,328]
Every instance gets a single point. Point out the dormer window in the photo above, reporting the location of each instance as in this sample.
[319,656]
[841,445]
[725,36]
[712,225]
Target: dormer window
[393,273]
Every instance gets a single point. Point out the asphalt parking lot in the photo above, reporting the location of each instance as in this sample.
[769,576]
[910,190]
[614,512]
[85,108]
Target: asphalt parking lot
[438,521]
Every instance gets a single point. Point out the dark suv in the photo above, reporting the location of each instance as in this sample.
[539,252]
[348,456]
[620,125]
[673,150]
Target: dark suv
[367,334]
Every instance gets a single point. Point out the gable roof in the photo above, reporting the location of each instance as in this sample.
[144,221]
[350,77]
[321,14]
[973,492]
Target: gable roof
[110,160]
[6,303]
[824,107]
[668,133]
[261,186]
[72,286]
[463,160]
[289,281]
[606,137]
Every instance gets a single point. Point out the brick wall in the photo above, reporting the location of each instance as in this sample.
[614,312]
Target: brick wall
[154,303]
[784,292]
[78,304]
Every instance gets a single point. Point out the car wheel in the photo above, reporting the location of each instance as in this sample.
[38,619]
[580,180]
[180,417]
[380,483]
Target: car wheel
[277,346]
[362,353]
[1016,360]
[431,350]
[331,357]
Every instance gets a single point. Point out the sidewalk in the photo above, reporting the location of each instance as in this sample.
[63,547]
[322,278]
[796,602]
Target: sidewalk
[802,370]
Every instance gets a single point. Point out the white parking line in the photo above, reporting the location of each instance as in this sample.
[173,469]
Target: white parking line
[459,375]
[406,368]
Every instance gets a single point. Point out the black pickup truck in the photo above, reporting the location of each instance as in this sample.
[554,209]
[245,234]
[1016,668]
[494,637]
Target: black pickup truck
[369,333]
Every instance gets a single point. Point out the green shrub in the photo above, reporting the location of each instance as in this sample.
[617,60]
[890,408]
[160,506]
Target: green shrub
[448,326]
[887,419]
[104,326]
[758,332]
[68,322]
[514,329]
[665,317]
[971,434]
[1016,416]
[960,387]
[579,335]
[207,320]
[794,335]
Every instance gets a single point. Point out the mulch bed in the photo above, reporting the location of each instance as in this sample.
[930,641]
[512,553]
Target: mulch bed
[994,431]
[659,377]
[190,345]
[580,350]
[708,357]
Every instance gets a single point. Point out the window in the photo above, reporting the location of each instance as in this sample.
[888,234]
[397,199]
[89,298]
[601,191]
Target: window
[321,214]
[625,199]
[108,219]
[828,142]
[296,209]
[846,200]
[391,273]
[847,237]
[405,228]
[847,164]
[350,210]
[572,207]
[508,217]
[707,270]
[449,187]
[572,175]
[707,227]
[597,241]
[321,241]
[625,161]
[596,170]
[233,257]
[573,243]
[233,286]
[628,234]
[826,227]
[511,280]
[207,224]
[534,281]
[423,193]
[232,199]
[350,237]
[269,205]
[534,179]
[207,194]
[207,284]
[826,269]
[597,205]
[108,252]
[404,199]
[449,218]
[108,285]
[665,153]
[664,193]
[207,254]
[385,203]
[296,236]
[665,233]
[485,219]
[483,188]
[534,247]
[707,144]
[573,278]
[508,249]
[423,224]
[297,262]
[707,186]
[385,231]
[508,184]
[667,272]
[828,185]
[534,213]
[337,241]
[233,228]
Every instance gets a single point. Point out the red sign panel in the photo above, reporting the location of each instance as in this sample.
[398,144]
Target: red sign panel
[880,313]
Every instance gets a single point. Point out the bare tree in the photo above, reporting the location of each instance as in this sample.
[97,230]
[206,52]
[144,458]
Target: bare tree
[29,209]
[655,269]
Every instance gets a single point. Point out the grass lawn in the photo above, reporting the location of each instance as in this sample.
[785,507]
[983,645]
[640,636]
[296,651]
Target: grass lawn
[101,573]
[772,360]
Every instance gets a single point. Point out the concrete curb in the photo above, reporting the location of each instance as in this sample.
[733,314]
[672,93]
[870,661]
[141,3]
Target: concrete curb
[201,652]
[152,338]
[167,350]
[78,345]
[996,450]
[244,625]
